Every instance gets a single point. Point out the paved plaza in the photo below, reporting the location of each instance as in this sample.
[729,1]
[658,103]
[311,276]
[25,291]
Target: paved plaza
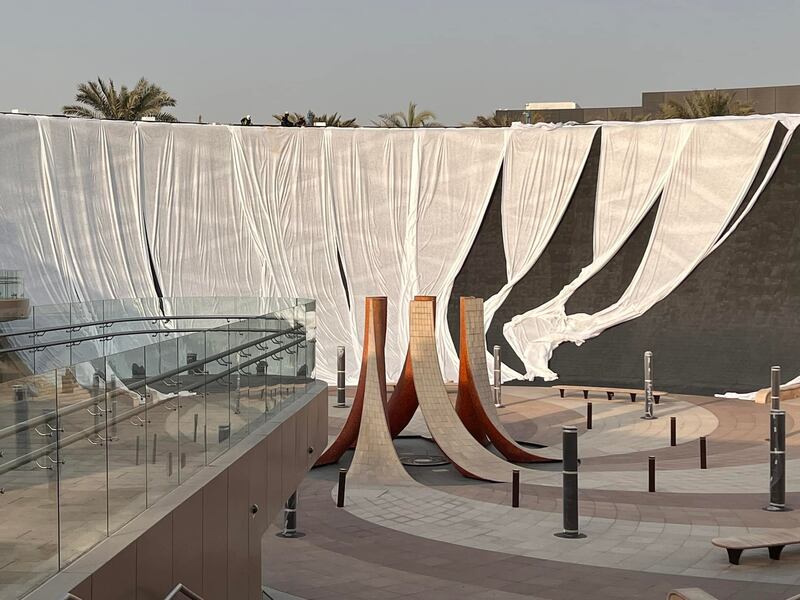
[446,536]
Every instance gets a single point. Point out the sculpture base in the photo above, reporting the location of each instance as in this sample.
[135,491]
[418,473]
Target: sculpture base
[568,535]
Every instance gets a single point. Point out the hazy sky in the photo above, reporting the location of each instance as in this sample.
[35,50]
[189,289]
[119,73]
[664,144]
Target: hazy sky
[360,58]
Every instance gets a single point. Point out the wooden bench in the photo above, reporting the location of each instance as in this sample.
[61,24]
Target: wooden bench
[608,390]
[774,542]
[789,392]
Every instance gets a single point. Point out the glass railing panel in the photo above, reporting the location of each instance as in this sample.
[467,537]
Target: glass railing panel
[162,419]
[11,284]
[28,502]
[218,394]
[127,450]
[50,320]
[311,337]
[189,397]
[83,439]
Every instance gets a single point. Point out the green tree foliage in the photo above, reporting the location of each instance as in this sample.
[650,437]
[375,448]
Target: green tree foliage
[697,105]
[332,120]
[411,118]
[102,100]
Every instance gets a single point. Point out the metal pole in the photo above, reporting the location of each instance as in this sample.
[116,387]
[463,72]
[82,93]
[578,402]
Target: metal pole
[21,416]
[775,387]
[703,455]
[340,369]
[648,386]
[673,431]
[777,461]
[196,421]
[498,380]
[155,444]
[340,490]
[137,450]
[515,488]
[569,446]
[651,474]
[588,415]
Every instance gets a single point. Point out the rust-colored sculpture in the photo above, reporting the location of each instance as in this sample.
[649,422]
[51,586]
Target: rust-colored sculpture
[403,402]
[374,319]
[474,403]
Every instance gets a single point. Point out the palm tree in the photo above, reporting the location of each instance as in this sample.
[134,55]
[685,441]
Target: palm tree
[102,100]
[332,120]
[712,103]
[500,120]
[412,118]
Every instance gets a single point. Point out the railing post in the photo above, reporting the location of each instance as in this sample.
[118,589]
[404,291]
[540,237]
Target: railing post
[21,416]
[340,373]
[497,385]
[651,474]
[340,489]
[777,461]
[648,386]
[570,482]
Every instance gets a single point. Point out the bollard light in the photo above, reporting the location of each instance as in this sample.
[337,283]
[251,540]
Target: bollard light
[340,372]
[498,378]
[569,445]
[648,386]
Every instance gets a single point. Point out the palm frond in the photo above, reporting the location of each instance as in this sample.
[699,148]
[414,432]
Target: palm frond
[698,105]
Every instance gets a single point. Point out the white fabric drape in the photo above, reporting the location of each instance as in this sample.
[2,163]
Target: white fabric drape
[715,168]
[200,242]
[281,182]
[634,164]
[408,207]
[456,177]
[541,170]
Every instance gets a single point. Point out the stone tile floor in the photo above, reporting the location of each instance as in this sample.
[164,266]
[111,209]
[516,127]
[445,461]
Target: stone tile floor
[450,537]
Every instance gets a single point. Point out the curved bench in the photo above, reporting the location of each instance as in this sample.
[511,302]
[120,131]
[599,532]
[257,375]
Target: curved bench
[609,391]
[774,542]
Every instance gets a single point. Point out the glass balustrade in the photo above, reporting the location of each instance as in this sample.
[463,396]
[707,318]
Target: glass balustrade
[121,401]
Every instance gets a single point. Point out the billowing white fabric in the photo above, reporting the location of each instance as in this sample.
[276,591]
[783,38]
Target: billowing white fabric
[371,171]
[281,182]
[200,242]
[457,174]
[634,164]
[541,170]
[408,207]
[707,183]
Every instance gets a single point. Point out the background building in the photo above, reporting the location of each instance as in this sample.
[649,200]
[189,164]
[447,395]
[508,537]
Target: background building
[765,100]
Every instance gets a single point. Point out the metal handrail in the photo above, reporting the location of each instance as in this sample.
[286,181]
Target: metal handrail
[109,335]
[89,431]
[42,419]
[182,589]
[164,318]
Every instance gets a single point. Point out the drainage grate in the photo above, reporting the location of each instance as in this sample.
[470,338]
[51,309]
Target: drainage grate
[423,460]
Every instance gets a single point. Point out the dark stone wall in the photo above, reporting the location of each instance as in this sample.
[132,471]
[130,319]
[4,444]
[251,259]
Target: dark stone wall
[721,329]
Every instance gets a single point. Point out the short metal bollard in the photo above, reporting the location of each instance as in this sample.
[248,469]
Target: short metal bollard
[569,434]
[290,519]
[340,377]
[155,446]
[777,461]
[137,450]
[497,384]
[673,431]
[588,415]
[515,488]
[196,421]
[703,453]
[341,488]
[651,474]
[648,386]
